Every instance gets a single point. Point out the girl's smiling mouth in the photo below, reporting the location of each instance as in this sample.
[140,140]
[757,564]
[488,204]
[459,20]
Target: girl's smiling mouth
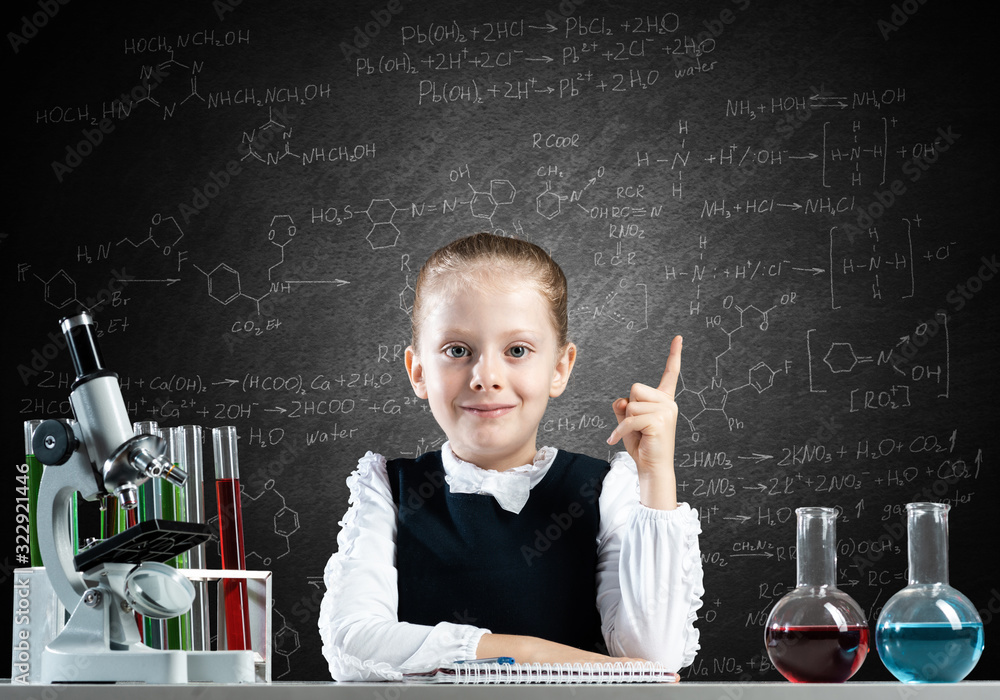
[488,410]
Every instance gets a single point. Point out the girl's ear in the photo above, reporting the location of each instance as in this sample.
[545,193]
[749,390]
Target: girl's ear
[415,371]
[562,370]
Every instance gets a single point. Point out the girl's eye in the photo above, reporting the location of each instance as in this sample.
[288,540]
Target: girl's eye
[456,351]
[518,351]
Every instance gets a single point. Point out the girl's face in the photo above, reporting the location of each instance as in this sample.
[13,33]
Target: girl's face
[487,362]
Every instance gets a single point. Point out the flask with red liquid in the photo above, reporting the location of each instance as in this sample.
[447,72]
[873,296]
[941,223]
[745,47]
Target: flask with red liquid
[227,488]
[816,633]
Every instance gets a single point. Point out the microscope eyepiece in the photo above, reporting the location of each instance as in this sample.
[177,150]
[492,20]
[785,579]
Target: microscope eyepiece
[81,338]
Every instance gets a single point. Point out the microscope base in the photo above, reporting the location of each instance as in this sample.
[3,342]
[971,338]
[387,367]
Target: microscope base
[100,644]
[149,666]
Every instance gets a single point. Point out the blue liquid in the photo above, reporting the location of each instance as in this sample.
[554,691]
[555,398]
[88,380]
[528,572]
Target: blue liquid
[936,653]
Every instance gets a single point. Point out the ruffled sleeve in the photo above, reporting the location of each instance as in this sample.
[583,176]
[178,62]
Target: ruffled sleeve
[649,579]
[362,636]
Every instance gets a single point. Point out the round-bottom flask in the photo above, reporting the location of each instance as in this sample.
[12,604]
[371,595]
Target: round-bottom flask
[816,633]
[929,632]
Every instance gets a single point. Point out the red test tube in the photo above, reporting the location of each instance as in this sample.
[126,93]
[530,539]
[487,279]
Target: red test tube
[227,488]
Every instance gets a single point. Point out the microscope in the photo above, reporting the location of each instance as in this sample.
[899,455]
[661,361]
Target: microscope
[108,583]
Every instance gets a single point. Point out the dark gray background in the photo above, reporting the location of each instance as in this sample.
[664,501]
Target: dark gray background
[797,385]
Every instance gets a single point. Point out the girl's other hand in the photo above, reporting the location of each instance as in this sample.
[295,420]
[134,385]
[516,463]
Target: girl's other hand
[647,423]
[536,650]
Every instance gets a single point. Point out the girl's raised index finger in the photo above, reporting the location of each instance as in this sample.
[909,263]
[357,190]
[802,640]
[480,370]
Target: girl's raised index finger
[668,382]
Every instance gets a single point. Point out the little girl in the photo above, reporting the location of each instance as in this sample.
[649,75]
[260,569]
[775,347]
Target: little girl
[494,547]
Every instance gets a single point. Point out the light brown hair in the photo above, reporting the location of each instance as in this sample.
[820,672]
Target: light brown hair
[498,260]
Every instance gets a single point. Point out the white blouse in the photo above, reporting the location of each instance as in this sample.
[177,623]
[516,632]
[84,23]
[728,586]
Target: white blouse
[649,577]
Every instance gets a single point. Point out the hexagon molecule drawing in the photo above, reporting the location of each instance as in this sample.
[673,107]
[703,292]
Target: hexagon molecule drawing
[484,205]
[286,642]
[266,545]
[383,233]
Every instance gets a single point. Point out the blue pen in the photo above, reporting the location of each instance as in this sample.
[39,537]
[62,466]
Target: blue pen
[504,660]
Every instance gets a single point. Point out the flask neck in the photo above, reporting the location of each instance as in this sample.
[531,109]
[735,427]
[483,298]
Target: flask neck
[927,545]
[816,553]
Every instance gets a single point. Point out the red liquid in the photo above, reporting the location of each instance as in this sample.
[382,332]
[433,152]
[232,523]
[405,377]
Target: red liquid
[817,654]
[233,557]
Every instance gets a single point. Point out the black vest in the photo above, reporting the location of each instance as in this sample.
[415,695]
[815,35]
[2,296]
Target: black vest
[461,558]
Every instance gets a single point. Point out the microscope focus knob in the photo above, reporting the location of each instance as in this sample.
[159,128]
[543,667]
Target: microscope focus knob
[53,442]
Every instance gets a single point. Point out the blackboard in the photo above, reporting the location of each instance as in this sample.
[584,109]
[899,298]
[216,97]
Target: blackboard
[242,196]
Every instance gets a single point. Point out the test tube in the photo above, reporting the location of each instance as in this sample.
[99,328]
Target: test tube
[178,628]
[34,478]
[115,519]
[74,513]
[227,488]
[195,502]
[35,471]
[147,509]
[154,631]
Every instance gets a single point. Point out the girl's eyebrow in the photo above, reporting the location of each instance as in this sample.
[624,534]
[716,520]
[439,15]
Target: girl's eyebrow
[525,331]
[456,330]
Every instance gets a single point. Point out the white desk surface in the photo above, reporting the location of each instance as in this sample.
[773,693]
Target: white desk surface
[685,690]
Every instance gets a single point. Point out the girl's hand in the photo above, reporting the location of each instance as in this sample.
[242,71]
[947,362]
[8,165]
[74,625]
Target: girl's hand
[647,423]
[527,650]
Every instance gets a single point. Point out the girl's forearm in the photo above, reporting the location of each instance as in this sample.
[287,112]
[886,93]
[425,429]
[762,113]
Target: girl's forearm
[658,490]
[526,649]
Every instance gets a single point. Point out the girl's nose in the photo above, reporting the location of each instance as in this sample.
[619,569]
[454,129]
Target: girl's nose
[486,374]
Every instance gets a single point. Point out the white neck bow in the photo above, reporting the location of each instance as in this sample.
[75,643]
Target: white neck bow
[510,488]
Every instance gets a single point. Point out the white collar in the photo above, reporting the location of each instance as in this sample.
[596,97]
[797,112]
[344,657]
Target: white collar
[510,487]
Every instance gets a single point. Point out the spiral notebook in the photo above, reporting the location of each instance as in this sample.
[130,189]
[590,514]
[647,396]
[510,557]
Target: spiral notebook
[496,672]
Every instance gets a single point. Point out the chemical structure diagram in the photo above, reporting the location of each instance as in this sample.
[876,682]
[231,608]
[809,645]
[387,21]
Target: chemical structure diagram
[832,362]
[712,399]
[286,642]
[60,291]
[484,205]
[164,234]
[627,304]
[383,217]
[224,283]
[285,520]
[406,297]
[161,94]
[268,143]
[168,83]
[383,233]
[548,204]
[269,504]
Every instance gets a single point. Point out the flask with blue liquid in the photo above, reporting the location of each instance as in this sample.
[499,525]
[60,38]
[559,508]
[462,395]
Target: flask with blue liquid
[929,632]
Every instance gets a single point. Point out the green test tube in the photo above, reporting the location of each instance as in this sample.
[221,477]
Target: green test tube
[146,508]
[35,471]
[193,465]
[34,480]
[150,509]
[179,629]
[74,522]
